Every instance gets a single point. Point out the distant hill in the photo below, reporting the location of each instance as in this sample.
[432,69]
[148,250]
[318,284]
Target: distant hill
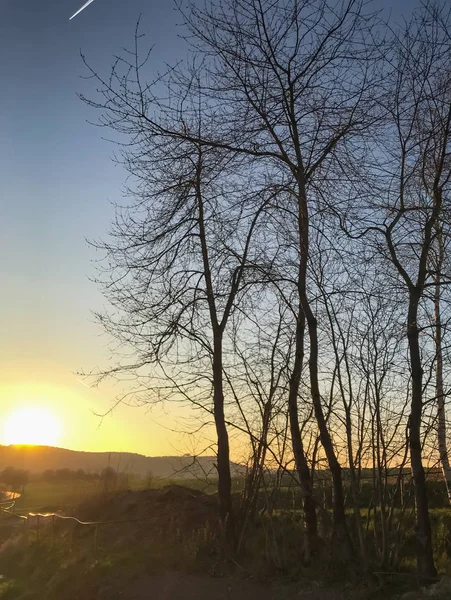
[36,459]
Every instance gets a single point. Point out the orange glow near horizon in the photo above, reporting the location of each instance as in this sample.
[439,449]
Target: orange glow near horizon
[32,426]
[27,389]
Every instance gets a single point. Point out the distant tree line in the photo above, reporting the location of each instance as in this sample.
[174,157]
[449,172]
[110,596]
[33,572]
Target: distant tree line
[109,477]
[68,475]
[14,480]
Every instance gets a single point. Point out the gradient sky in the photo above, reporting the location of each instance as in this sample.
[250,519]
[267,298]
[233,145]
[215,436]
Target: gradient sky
[56,184]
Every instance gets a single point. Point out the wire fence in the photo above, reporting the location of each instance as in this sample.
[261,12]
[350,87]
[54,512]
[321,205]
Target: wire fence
[36,520]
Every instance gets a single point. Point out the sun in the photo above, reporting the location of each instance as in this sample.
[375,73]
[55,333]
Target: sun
[37,426]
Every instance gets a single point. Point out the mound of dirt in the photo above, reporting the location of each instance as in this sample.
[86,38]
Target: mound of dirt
[169,509]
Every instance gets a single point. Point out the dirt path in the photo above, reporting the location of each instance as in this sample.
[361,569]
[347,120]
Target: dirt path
[178,586]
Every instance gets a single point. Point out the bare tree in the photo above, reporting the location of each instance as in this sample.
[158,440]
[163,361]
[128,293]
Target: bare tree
[281,85]
[414,168]
[439,380]
[294,80]
[178,258]
[288,191]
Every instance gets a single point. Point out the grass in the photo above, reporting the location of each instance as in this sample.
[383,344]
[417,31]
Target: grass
[274,546]
[42,494]
[67,563]
[70,561]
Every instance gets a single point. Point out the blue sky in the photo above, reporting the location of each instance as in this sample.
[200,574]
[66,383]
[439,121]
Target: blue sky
[56,185]
[57,176]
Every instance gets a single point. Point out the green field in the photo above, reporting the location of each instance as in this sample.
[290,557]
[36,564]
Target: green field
[43,494]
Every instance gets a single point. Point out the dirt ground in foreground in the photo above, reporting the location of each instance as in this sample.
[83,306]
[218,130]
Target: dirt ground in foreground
[181,586]
[151,546]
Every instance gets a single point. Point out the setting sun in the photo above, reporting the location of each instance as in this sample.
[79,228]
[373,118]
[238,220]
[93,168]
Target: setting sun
[32,426]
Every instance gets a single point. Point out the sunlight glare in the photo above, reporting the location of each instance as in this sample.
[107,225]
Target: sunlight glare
[37,426]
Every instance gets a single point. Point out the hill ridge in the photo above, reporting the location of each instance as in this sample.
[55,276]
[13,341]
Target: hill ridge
[39,458]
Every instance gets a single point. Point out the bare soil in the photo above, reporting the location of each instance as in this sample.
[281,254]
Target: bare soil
[183,586]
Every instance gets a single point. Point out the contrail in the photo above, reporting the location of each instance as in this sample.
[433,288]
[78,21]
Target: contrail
[82,8]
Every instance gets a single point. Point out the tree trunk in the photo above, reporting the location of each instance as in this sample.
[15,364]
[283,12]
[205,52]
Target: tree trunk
[355,493]
[341,530]
[303,471]
[425,559]
[223,456]
[340,527]
[439,391]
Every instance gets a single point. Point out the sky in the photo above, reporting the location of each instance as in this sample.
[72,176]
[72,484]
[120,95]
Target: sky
[57,184]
